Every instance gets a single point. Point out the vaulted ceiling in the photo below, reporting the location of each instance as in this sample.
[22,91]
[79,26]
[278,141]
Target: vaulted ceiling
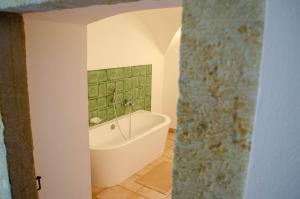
[86,15]
[162,23]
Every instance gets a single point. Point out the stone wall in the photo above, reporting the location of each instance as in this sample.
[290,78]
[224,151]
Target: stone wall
[14,106]
[220,57]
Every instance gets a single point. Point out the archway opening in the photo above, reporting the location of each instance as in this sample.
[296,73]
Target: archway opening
[125,40]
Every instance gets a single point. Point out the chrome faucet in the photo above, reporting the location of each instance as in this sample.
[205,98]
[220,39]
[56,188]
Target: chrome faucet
[128,103]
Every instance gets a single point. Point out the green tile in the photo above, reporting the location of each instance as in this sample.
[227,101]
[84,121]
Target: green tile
[148,90]
[142,103]
[128,109]
[102,104]
[128,95]
[93,114]
[120,85]
[139,104]
[115,73]
[135,107]
[148,101]
[110,114]
[102,76]
[131,83]
[135,82]
[120,110]
[111,86]
[102,90]
[149,69]
[92,77]
[93,90]
[119,98]
[142,81]
[103,115]
[142,92]
[148,108]
[127,72]
[92,104]
[127,84]
[109,100]
[135,70]
[148,80]
[142,70]
[135,93]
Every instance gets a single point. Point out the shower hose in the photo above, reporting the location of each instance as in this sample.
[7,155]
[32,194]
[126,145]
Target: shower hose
[117,121]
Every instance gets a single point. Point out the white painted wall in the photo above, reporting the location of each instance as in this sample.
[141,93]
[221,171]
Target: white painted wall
[124,40]
[56,60]
[163,24]
[274,171]
[171,80]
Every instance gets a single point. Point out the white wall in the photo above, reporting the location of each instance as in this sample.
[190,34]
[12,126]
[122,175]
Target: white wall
[171,80]
[56,60]
[274,171]
[123,40]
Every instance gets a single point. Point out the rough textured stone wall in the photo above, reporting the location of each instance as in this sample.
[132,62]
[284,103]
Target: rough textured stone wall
[220,57]
[14,106]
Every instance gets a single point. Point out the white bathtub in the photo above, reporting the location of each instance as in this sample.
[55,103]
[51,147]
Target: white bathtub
[113,159]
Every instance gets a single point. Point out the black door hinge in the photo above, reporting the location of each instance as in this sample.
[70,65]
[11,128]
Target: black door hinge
[38,178]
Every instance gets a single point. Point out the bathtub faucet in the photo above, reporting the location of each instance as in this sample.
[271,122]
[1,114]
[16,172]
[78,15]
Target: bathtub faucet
[128,103]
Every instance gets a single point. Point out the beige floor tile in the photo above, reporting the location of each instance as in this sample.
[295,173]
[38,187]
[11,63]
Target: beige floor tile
[145,170]
[116,192]
[169,144]
[169,153]
[136,196]
[171,136]
[173,131]
[170,158]
[159,178]
[130,184]
[96,190]
[149,193]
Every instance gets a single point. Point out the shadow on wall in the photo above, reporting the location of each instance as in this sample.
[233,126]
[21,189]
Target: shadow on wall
[171,78]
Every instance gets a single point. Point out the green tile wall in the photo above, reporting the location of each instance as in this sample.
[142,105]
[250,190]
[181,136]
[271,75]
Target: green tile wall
[132,83]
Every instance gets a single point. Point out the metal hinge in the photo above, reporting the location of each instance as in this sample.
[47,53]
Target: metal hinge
[38,178]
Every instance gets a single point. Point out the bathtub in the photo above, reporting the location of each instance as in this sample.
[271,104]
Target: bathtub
[114,159]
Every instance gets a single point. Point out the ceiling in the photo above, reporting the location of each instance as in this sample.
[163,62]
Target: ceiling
[162,18]
[163,24]
[91,14]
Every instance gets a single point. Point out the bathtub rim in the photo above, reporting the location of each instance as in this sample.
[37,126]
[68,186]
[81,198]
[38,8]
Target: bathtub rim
[167,121]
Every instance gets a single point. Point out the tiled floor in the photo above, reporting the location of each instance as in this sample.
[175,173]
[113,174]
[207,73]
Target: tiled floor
[129,189]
